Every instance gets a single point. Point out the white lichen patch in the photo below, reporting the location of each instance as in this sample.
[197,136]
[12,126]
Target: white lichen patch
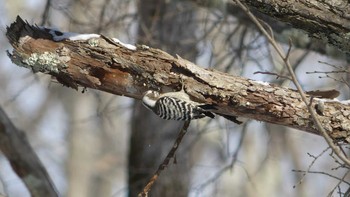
[46,62]
[320,106]
[128,46]
[93,42]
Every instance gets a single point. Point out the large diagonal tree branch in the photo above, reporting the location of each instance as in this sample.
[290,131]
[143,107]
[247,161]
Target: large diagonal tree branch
[106,64]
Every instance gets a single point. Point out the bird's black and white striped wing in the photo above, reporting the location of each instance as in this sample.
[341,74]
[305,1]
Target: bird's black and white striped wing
[171,108]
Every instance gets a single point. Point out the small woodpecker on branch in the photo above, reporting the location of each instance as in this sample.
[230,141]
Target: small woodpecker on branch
[176,106]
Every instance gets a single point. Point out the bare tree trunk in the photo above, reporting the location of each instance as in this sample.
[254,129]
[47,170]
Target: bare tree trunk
[165,27]
[87,140]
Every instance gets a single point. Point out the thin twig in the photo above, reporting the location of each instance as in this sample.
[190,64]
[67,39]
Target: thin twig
[340,181]
[311,164]
[271,73]
[166,161]
[289,50]
[312,112]
[324,173]
[327,72]
[45,15]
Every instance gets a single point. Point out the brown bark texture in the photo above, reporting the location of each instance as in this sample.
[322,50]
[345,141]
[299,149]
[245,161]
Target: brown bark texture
[103,64]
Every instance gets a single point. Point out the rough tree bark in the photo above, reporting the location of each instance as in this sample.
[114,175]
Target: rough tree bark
[103,64]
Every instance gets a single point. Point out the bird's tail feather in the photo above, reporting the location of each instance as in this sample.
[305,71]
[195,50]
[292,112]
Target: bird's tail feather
[210,114]
[208,107]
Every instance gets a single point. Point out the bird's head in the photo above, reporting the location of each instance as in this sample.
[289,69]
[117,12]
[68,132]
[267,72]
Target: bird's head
[149,98]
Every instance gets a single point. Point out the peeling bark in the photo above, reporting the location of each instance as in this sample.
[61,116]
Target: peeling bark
[105,65]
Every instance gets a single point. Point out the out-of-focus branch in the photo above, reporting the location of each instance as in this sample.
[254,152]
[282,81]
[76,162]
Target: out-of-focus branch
[45,15]
[26,164]
[320,22]
[325,20]
[109,65]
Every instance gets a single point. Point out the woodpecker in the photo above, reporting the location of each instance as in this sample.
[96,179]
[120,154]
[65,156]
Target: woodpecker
[175,106]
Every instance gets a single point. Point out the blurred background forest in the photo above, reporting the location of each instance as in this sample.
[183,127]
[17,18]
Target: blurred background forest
[97,144]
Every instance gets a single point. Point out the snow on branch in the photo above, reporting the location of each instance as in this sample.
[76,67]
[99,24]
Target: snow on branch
[107,64]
